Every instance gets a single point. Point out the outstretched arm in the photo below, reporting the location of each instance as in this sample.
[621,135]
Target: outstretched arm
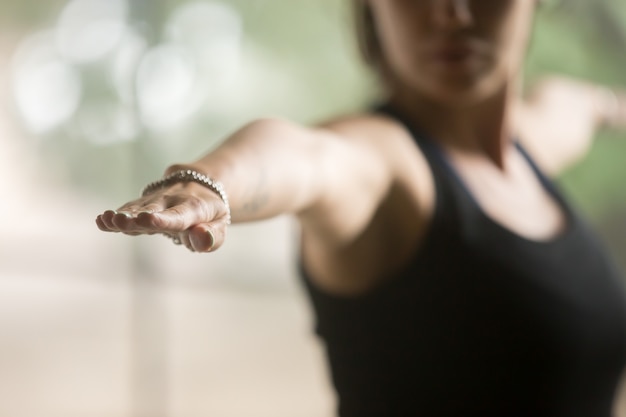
[558,121]
[331,182]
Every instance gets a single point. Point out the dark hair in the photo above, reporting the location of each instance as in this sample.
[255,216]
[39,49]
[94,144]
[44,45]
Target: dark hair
[367,38]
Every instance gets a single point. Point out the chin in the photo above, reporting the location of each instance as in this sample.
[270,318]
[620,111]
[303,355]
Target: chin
[462,91]
[458,97]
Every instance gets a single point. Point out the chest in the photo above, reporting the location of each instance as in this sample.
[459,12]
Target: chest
[486,320]
[513,197]
[557,308]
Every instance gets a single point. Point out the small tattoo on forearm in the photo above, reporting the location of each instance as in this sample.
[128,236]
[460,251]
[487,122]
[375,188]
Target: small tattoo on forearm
[257,203]
[259,195]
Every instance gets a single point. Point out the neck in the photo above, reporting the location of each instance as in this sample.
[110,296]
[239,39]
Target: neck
[481,127]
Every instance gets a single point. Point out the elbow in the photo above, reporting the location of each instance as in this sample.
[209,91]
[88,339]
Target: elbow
[269,127]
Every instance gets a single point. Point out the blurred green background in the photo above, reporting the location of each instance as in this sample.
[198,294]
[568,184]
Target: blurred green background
[98,96]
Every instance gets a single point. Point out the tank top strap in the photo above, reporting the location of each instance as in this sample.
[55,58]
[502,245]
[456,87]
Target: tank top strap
[543,178]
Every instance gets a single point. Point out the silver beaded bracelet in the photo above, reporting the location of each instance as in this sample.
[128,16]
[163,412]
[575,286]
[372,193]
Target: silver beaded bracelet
[189,175]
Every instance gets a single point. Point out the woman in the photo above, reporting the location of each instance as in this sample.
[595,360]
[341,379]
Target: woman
[447,274]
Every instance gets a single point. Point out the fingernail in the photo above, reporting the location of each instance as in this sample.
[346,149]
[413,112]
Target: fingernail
[125,214]
[201,242]
[211,240]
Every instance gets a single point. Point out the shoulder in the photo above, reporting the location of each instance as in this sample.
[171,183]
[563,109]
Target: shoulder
[380,216]
[389,139]
[376,129]
[557,122]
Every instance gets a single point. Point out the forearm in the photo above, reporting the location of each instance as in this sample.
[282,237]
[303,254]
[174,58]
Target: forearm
[268,167]
[558,122]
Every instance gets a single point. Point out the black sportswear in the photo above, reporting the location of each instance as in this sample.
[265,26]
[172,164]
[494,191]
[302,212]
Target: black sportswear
[482,322]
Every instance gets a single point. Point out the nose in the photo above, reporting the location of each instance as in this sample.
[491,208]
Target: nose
[455,14]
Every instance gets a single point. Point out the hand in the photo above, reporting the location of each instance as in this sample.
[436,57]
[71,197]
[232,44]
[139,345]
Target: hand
[605,107]
[613,108]
[559,120]
[188,212]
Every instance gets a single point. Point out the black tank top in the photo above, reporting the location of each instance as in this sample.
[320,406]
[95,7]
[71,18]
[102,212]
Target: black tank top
[482,322]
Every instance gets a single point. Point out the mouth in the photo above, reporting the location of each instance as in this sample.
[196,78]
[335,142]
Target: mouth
[455,54]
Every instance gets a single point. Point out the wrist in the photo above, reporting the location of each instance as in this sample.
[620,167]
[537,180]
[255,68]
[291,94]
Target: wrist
[176,174]
[183,167]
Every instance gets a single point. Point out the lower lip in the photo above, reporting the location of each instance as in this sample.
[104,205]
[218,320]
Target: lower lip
[454,61]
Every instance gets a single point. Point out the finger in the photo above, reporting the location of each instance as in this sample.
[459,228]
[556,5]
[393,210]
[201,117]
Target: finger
[177,218]
[120,221]
[124,222]
[207,237]
[145,206]
[101,224]
[185,240]
[106,219]
[133,233]
[136,218]
[180,238]
[150,203]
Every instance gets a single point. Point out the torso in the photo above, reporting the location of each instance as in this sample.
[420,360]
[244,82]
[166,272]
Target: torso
[514,198]
[477,317]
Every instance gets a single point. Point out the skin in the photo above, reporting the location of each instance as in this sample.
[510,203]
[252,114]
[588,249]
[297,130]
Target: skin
[452,68]
[360,189]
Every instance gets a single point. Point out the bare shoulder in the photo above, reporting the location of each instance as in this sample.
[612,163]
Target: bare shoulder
[393,140]
[558,120]
[383,135]
[383,213]
[368,127]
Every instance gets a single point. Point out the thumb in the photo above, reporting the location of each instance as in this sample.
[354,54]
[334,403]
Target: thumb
[207,237]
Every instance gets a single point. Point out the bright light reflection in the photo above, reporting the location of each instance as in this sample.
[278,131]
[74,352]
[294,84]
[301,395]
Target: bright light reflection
[90,29]
[212,30]
[47,90]
[167,87]
[104,123]
[124,62]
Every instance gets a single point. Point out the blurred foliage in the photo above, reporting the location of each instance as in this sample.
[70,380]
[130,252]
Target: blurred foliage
[28,13]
